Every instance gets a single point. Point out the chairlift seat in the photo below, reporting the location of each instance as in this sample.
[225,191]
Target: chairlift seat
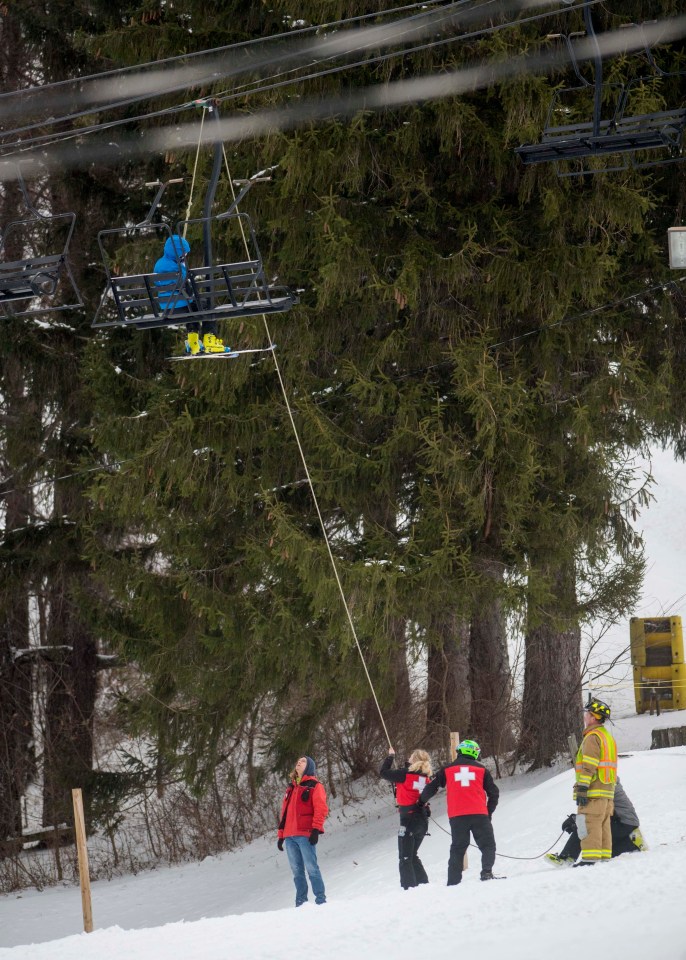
[217,292]
[27,285]
[653,131]
[26,279]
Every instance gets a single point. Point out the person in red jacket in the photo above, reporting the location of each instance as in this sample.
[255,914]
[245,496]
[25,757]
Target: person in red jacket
[409,783]
[303,812]
[472,798]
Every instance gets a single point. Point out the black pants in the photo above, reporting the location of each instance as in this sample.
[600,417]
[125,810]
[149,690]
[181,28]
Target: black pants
[207,326]
[621,840]
[480,827]
[412,831]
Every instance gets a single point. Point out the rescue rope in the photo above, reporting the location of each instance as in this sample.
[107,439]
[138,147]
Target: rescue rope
[315,500]
[195,170]
[505,856]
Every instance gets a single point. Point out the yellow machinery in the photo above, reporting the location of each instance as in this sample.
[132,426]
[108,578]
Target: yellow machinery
[657,657]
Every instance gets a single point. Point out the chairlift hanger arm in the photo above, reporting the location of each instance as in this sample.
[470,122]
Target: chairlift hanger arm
[24,192]
[245,185]
[158,197]
[598,69]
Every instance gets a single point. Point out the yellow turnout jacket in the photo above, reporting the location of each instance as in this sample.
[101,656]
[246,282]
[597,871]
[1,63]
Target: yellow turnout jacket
[596,762]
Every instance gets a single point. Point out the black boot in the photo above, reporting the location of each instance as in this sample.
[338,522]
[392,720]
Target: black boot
[487,875]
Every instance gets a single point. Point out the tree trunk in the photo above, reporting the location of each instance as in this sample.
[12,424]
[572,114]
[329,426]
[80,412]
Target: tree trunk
[489,667]
[70,702]
[551,710]
[399,715]
[448,700]
[17,756]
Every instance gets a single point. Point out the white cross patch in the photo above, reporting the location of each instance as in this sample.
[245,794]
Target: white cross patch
[465,776]
[419,783]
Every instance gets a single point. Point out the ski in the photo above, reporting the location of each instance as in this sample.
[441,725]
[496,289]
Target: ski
[221,356]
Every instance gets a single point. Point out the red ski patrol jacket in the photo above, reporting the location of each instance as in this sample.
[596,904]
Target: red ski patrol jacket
[408,786]
[469,786]
[304,808]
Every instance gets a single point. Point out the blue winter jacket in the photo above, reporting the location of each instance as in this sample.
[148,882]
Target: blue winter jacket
[175,248]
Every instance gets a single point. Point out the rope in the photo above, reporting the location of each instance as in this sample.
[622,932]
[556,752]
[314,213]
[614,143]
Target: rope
[315,500]
[505,856]
[195,168]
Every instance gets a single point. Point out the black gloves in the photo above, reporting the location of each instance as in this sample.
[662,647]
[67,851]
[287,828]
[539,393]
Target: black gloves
[314,837]
[426,810]
[581,795]
[569,825]
[279,843]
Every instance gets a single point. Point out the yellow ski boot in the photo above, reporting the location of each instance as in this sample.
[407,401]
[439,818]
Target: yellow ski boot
[637,838]
[213,344]
[559,861]
[193,344]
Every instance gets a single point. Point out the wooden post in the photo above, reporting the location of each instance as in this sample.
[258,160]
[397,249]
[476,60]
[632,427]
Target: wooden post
[573,748]
[454,740]
[82,851]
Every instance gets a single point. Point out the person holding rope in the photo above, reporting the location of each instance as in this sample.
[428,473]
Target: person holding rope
[472,798]
[303,812]
[408,782]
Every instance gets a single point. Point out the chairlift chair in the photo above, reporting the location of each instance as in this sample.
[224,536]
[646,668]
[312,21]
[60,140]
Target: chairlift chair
[620,133]
[40,284]
[217,291]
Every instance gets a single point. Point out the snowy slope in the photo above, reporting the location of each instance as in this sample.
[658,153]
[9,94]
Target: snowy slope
[537,911]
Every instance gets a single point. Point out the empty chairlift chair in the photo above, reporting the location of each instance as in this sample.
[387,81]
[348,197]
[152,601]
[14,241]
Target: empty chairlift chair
[35,273]
[609,121]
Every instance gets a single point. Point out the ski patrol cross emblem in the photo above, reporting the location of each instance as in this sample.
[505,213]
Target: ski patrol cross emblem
[465,776]
[419,783]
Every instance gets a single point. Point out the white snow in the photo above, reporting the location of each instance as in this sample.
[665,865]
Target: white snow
[240,905]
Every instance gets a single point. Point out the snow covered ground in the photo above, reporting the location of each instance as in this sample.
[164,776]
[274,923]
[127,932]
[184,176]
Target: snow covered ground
[240,904]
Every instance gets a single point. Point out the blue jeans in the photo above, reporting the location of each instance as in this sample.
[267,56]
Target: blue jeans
[303,856]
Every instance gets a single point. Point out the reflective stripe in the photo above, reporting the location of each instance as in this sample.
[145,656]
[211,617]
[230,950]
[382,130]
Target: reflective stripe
[607,770]
[604,769]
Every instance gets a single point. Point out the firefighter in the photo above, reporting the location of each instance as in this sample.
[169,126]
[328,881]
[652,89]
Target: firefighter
[408,783]
[594,789]
[472,797]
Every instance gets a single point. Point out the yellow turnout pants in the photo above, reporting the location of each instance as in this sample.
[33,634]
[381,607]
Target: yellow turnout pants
[597,844]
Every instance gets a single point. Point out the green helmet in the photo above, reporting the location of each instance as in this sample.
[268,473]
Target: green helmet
[470,747]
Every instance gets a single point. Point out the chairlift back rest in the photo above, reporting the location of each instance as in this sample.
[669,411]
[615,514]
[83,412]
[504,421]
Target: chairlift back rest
[648,123]
[222,277]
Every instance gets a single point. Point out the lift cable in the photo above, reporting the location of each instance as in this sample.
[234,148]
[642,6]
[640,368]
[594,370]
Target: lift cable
[186,77]
[249,88]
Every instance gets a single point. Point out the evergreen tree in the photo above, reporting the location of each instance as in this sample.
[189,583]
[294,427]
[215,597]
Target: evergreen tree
[461,432]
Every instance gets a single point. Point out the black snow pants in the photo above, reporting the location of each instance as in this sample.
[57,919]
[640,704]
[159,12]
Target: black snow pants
[413,827]
[480,827]
[621,840]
